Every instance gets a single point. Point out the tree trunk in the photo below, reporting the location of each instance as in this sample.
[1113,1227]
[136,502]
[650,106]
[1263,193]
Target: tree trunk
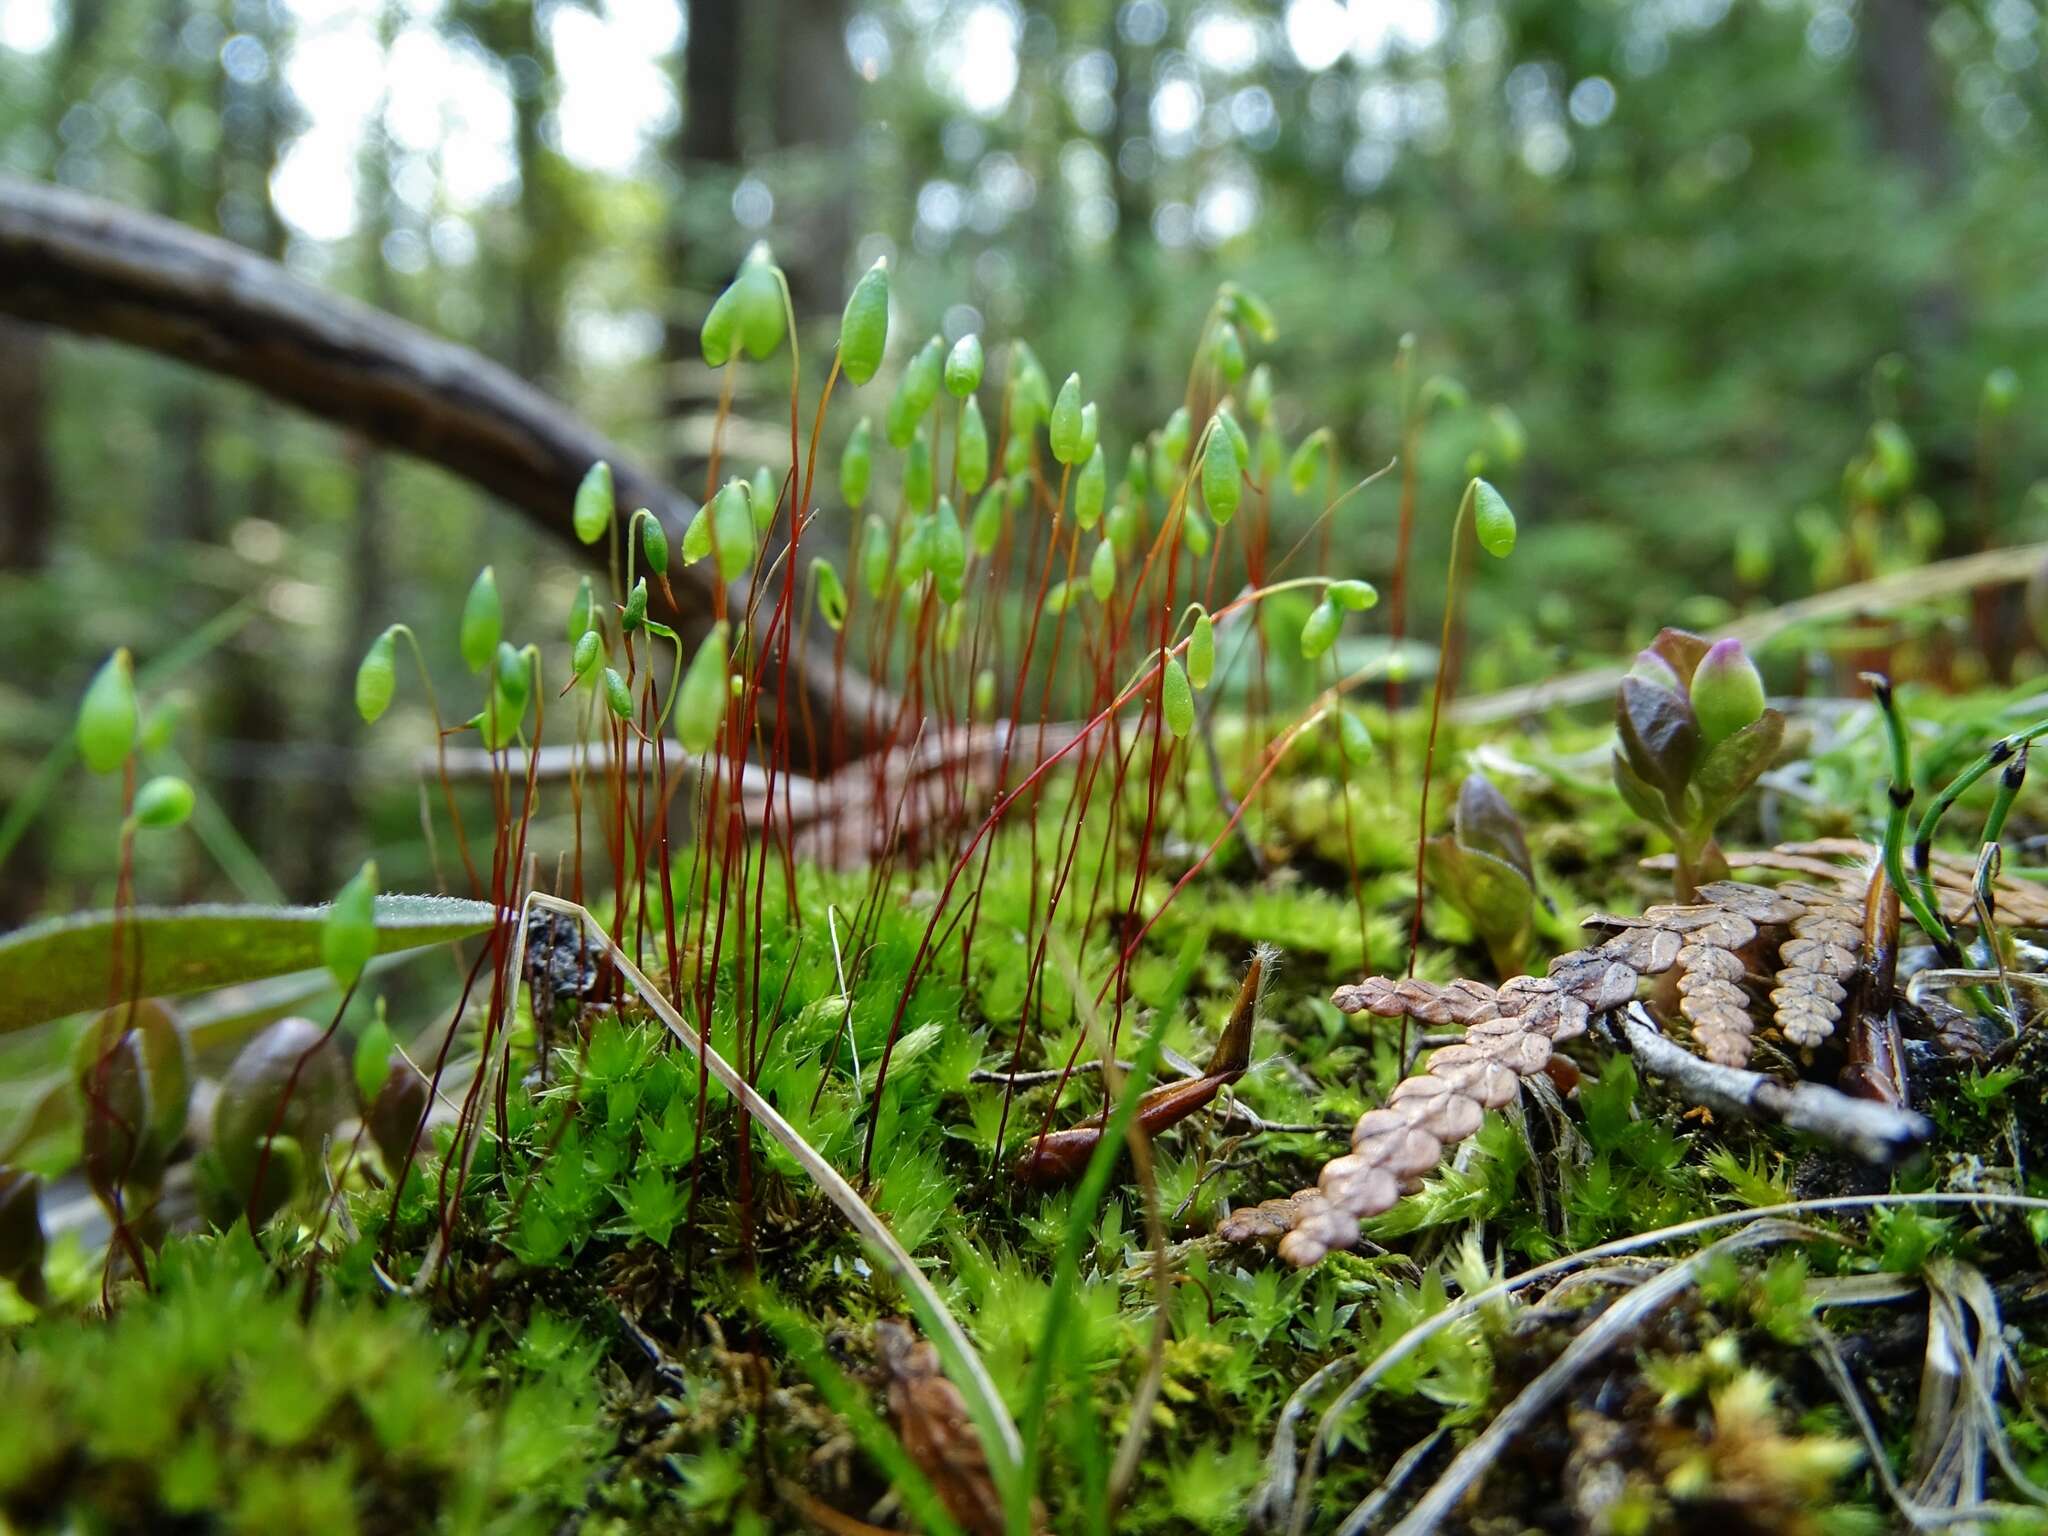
[27,498]
[815,114]
[1903,94]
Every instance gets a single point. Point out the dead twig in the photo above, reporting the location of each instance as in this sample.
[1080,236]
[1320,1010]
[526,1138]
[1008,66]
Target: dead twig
[1874,1131]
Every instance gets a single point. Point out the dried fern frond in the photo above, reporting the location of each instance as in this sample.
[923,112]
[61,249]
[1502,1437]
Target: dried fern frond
[1801,942]
[2021,902]
[1509,1035]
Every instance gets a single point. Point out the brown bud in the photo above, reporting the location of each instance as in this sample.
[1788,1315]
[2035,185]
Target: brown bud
[21,1233]
[289,1082]
[133,1068]
[395,1117]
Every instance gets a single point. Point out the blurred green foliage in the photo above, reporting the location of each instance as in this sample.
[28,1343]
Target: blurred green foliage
[1674,239]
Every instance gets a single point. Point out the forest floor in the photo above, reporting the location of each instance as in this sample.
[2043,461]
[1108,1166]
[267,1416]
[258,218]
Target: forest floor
[641,1325]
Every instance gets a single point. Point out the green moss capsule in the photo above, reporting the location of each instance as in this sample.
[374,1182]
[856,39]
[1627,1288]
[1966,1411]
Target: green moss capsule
[874,557]
[510,688]
[348,933]
[1165,469]
[107,715]
[1064,429]
[1353,739]
[970,456]
[1202,651]
[1249,311]
[1492,520]
[761,317]
[985,527]
[1227,420]
[948,552]
[1176,699]
[856,465]
[589,652]
[654,543]
[1228,352]
[917,471]
[582,610]
[1175,436]
[1269,458]
[704,693]
[1222,470]
[635,613]
[596,503]
[1308,461]
[1510,437]
[1090,488]
[377,676]
[864,327]
[914,550]
[726,528]
[163,802]
[1090,425]
[764,500]
[914,396]
[1122,524]
[963,367]
[2001,389]
[618,697]
[1102,572]
[899,422]
[483,621]
[1319,633]
[1352,596]
[831,593]
[1030,390]
[733,317]
[1258,395]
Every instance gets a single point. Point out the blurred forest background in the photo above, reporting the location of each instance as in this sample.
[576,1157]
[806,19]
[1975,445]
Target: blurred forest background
[1697,247]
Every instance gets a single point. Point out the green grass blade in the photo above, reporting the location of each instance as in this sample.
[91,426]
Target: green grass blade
[875,1436]
[1079,1232]
[50,969]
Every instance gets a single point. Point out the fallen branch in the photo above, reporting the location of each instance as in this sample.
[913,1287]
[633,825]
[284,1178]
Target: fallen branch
[1881,595]
[80,264]
[1877,1133]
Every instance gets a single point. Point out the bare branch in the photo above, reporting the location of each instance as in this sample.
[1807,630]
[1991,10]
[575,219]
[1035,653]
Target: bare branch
[79,264]
[1877,1133]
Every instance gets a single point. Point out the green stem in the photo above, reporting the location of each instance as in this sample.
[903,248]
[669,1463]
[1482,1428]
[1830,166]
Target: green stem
[1923,837]
[1079,1233]
[1899,792]
[1436,709]
[441,755]
[2009,785]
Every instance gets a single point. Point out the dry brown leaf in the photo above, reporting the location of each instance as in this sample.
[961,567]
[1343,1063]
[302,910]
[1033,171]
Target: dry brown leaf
[933,1423]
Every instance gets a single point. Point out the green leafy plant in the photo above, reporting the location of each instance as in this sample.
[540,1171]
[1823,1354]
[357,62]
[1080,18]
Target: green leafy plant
[1694,734]
[1482,867]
